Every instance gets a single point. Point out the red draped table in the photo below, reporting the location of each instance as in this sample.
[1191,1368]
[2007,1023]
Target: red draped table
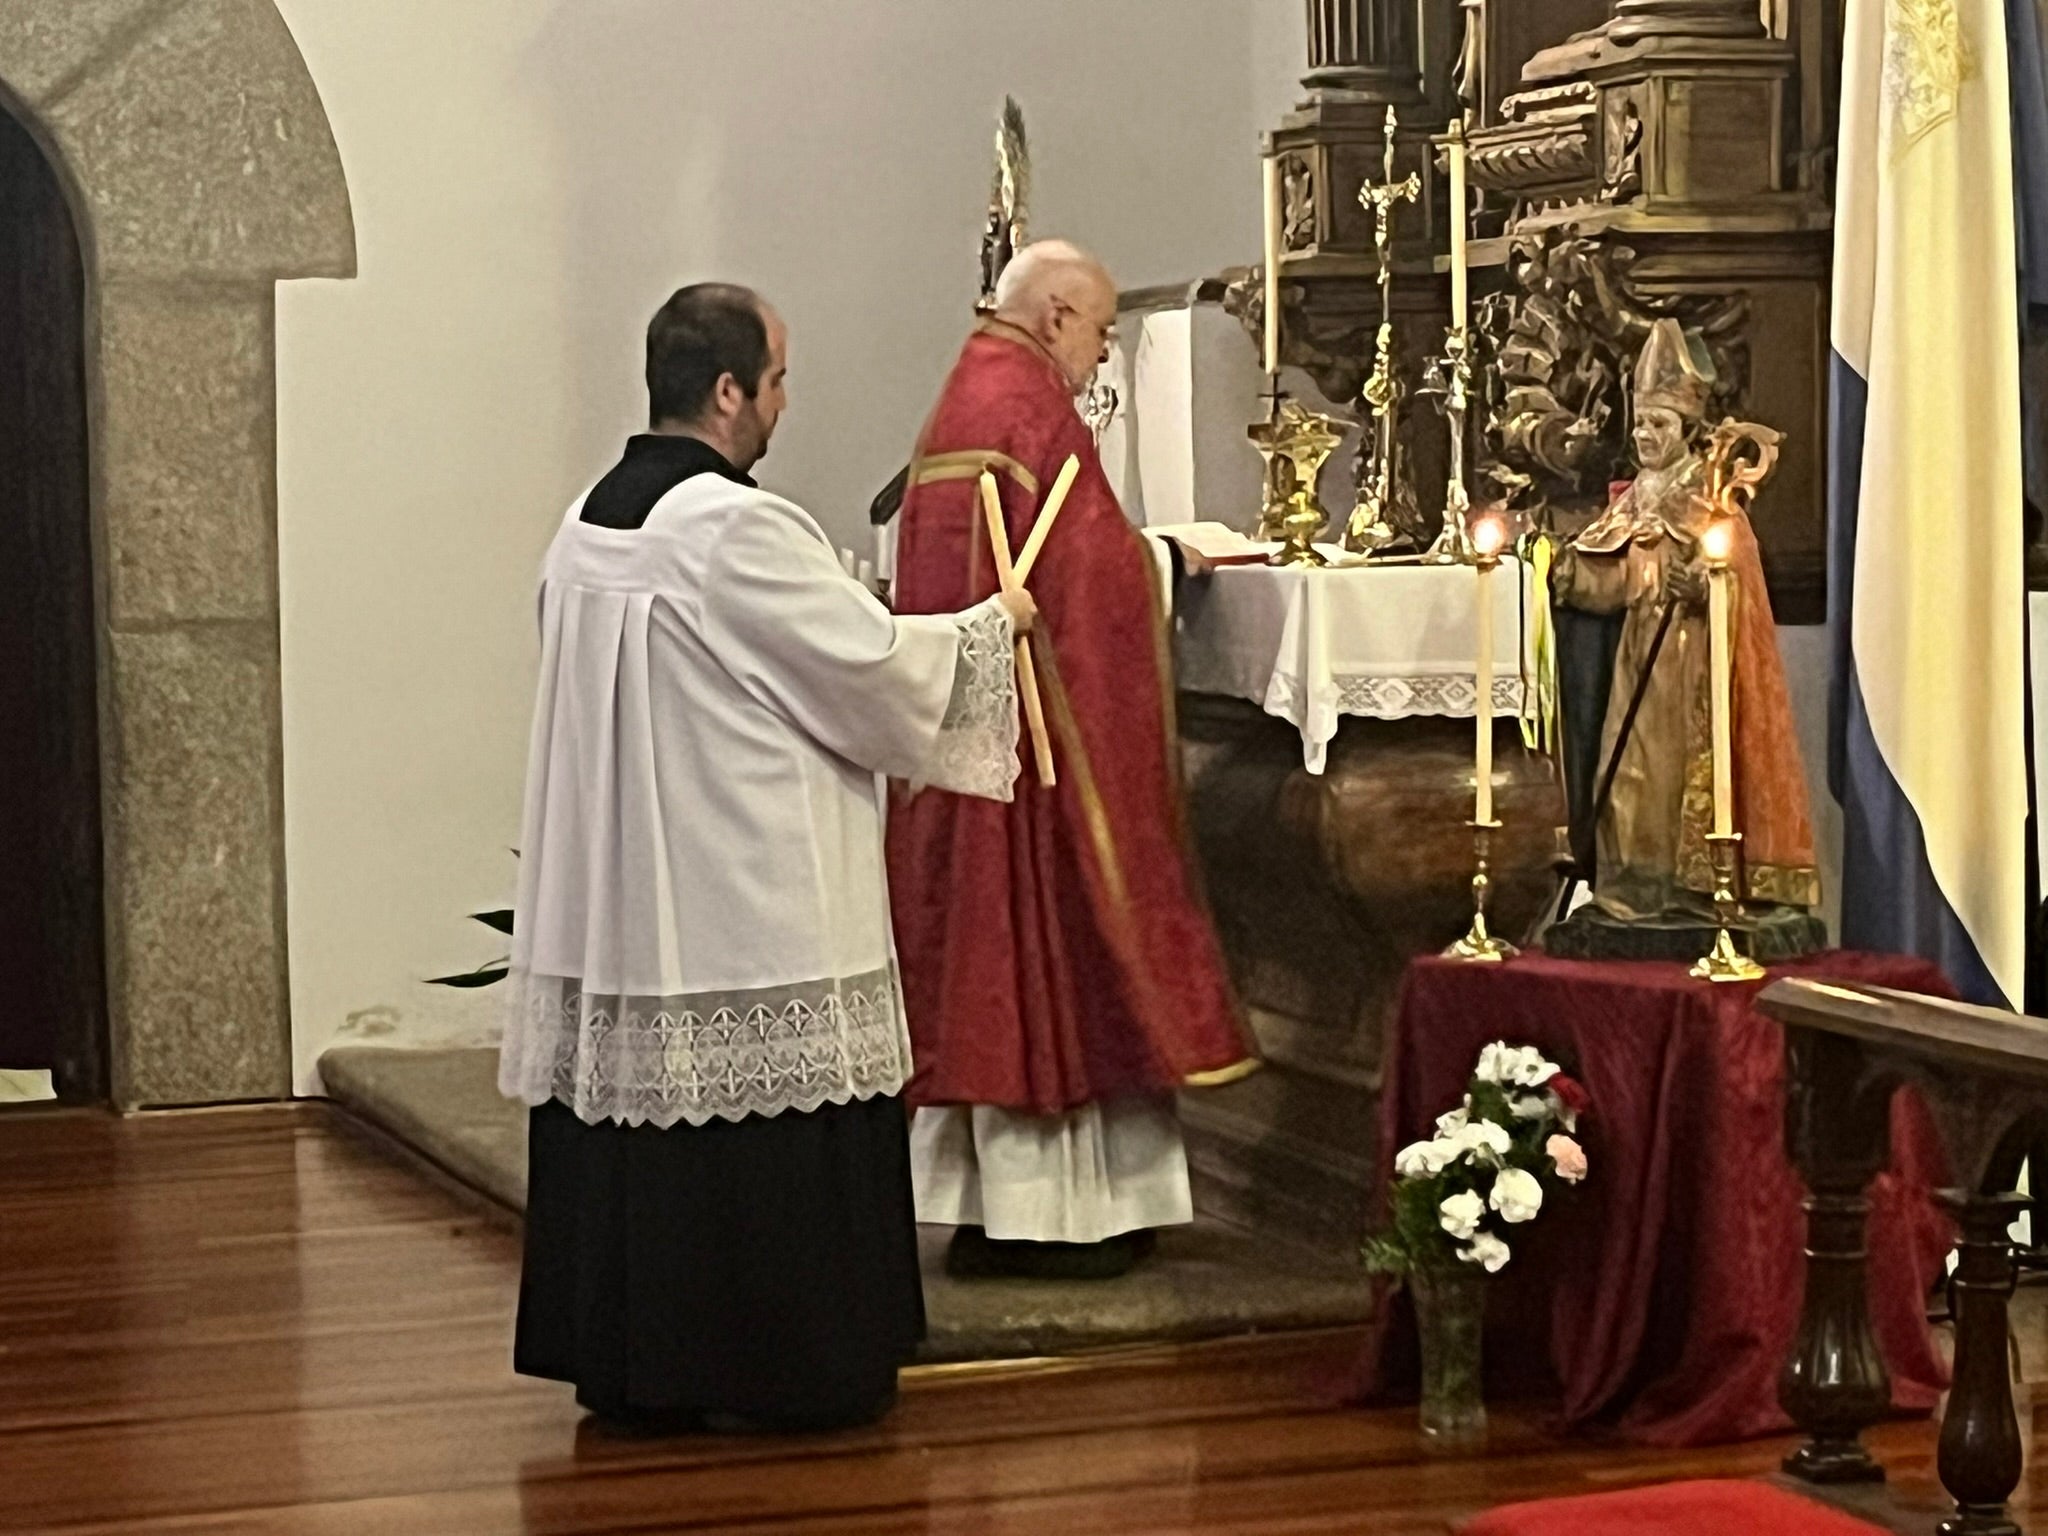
[1662,1294]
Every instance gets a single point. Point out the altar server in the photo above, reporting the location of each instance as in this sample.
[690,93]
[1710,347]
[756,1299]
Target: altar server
[1063,976]
[706,1016]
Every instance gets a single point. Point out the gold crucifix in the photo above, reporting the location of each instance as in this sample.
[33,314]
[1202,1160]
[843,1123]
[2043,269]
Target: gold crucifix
[1369,528]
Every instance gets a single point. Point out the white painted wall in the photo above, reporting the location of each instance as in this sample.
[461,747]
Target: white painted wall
[530,179]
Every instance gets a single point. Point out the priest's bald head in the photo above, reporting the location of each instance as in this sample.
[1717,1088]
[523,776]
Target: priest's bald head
[717,358]
[1065,298]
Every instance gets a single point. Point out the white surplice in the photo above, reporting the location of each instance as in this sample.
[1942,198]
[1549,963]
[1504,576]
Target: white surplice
[702,923]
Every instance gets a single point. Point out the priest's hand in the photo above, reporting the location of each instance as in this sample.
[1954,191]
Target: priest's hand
[1022,610]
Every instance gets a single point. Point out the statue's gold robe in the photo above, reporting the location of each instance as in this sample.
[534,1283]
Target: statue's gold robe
[1653,854]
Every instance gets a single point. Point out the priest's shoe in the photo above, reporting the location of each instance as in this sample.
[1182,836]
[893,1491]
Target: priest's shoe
[974,1255]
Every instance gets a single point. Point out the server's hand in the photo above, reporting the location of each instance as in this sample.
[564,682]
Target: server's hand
[1022,610]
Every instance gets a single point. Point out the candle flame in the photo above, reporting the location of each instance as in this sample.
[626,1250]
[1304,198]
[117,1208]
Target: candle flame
[1718,542]
[1488,536]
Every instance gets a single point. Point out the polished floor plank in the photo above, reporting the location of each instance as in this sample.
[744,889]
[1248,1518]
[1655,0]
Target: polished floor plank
[253,1322]
[1121,1429]
[1388,1497]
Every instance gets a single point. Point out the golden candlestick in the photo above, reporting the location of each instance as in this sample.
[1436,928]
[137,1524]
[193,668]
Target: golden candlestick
[1740,458]
[1454,370]
[1724,962]
[1479,946]
[1450,379]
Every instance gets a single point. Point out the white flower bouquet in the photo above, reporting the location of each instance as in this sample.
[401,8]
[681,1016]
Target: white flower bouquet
[1458,1196]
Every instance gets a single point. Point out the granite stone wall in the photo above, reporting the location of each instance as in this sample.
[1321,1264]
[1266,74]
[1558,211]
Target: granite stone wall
[202,171]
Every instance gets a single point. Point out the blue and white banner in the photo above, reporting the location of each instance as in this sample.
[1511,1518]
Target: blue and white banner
[1927,599]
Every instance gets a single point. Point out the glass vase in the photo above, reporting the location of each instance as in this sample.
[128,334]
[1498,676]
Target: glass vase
[1450,1313]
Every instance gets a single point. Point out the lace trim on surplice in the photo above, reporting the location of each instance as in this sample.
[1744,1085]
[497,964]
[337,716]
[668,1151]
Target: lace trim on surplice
[703,1056]
[976,749]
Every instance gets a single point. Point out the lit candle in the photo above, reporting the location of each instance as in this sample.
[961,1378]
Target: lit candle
[1458,275]
[1486,539]
[1272,260]
[1716,544]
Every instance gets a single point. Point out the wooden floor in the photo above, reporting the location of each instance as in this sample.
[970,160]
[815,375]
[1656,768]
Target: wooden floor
[250,1321]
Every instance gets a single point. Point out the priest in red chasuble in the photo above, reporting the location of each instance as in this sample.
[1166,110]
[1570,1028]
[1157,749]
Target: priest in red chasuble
[1060,970]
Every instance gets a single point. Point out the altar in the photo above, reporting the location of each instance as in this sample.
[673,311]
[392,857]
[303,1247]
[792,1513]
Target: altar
[1327,729]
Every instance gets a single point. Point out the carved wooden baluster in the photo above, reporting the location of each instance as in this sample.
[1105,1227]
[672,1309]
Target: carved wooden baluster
[1980,1456]
[1834,1385]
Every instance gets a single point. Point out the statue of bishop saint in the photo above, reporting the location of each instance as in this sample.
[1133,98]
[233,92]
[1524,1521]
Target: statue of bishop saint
[1653,804]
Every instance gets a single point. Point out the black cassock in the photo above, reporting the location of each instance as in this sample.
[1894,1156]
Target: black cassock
[763,1269]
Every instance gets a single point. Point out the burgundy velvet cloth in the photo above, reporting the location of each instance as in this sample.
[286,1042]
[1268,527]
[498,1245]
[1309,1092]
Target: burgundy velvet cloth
[1664,1293]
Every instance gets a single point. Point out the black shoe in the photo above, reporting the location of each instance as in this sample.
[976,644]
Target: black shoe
[974,1255]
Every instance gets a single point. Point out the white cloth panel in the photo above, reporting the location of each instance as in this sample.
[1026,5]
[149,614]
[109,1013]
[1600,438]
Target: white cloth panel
[1382,642]
[1117,447]
[1163,414]
[1080,1177]
[703,926]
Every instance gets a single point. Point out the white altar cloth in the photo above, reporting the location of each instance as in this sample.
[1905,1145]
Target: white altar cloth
[1383,642]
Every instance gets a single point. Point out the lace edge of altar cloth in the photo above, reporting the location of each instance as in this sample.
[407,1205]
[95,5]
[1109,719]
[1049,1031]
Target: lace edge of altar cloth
[1316,715]
[696,1057]
[1386,642]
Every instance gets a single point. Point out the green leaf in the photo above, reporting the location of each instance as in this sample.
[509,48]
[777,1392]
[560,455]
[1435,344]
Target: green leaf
[1490,1101]
[482,976]
[500,921]
[1386,1256]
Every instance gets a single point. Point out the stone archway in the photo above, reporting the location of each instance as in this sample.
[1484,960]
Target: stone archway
[201,170]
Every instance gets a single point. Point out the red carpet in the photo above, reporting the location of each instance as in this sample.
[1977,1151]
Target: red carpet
[1673,1509]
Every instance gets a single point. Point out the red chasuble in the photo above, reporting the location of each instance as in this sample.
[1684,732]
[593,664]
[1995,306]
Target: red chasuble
[1057,950]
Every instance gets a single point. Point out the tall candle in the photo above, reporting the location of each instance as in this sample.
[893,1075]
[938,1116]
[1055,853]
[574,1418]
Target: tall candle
[1272,261]
[1459,280]
[1721,670]
[1486,538]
